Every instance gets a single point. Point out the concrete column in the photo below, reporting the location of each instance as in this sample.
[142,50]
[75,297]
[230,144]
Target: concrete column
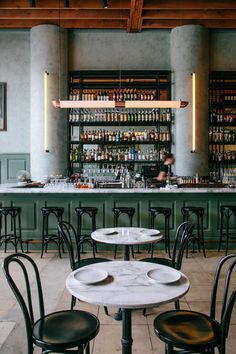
[48,53]
[190,53]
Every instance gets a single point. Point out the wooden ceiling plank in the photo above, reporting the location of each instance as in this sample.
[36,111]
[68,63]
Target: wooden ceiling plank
[115,24]
[189,4]
[157,24]
[189,14]
[135,22]
[73,4]
[64,14]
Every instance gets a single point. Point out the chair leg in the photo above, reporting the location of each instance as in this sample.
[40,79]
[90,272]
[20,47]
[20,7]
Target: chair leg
[106,310]
[177,306]
[144,312]
[73,302]
[221,230]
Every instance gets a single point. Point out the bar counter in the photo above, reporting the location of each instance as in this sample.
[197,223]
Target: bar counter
[31,200]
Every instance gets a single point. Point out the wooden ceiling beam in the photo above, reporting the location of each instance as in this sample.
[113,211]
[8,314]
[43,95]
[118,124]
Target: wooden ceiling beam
[189,14]
[135,22]
[70,24]
[73,4]
[64,14]
[157,24]
[189,4]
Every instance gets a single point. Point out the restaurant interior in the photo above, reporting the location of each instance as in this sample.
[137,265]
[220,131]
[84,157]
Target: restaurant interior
[117,176]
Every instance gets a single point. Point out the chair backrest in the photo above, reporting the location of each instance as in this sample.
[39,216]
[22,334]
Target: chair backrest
[24,296]
[226,271]
[182,237]
[71,241]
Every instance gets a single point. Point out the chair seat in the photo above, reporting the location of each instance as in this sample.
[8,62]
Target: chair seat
[65,329]
[163,261]
[187,329]
[87,261]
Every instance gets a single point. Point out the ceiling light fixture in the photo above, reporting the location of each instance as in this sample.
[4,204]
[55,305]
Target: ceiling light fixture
[118,104]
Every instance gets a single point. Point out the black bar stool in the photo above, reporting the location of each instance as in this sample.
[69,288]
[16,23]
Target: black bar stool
[166,212]
[117,212]
[198,212]
[85,238]
[11,236]
[226,211]
[46,236]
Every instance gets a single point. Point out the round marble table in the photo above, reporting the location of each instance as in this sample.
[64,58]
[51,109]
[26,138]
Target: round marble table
[128,287]
[126,236]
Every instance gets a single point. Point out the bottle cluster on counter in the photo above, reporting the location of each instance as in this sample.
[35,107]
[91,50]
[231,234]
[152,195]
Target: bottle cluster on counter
[103,135]
[218,134]
[229,176]
[120,115]
[117,94]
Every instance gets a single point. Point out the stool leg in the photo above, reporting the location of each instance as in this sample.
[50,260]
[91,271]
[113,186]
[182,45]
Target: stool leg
[5,230]
[59,237]
[116,224]
[151,246]
[14,232]
[221,229]
[79,229]
[43,233]
[167,235]
[227,233]
[94,243]
[202,236]
[20,235]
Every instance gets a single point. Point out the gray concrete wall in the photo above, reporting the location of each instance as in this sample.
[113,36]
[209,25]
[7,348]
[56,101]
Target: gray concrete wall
[15,71]
[223,50]
[114,50]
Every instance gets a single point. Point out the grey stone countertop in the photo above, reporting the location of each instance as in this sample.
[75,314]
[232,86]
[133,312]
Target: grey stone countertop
[69,189]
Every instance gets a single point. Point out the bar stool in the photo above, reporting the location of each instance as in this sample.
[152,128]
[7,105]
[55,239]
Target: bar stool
[10,236]
[198,212]
[226,211]
[46,236]
[129,211]
[166,212]
[85,238]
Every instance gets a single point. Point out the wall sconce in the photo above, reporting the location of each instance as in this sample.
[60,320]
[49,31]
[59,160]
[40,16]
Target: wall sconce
[193,112]
[46,111]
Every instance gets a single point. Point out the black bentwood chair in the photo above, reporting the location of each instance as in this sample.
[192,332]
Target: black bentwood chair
[73,244]
[195,332]
[56,332]
[182,237]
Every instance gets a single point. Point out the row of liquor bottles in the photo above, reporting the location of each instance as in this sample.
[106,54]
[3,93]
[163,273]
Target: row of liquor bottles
[116,115]
[221,135]
[102,135]
[117,94]
[129,154]
[219,96]
[226,156]
[220,116]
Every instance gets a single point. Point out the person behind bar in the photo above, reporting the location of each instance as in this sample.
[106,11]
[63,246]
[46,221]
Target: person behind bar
[165,170]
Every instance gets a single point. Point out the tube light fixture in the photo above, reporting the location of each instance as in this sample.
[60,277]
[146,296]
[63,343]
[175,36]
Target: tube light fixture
[46,111]
[116,104]
[193,112]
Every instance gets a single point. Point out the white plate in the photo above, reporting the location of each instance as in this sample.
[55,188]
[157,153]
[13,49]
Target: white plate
[150,232]
[107,232]
[90,276]
[163,275]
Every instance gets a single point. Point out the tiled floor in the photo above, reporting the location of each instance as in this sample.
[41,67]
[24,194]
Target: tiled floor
[53,273]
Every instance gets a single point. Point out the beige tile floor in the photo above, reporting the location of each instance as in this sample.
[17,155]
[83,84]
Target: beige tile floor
[53,274]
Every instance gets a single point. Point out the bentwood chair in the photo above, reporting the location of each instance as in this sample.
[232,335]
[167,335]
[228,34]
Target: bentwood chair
[195,332]
[182,237]
[73,245]
[55,332]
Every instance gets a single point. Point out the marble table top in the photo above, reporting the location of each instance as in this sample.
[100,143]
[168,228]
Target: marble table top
[127,285]
[126,235]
